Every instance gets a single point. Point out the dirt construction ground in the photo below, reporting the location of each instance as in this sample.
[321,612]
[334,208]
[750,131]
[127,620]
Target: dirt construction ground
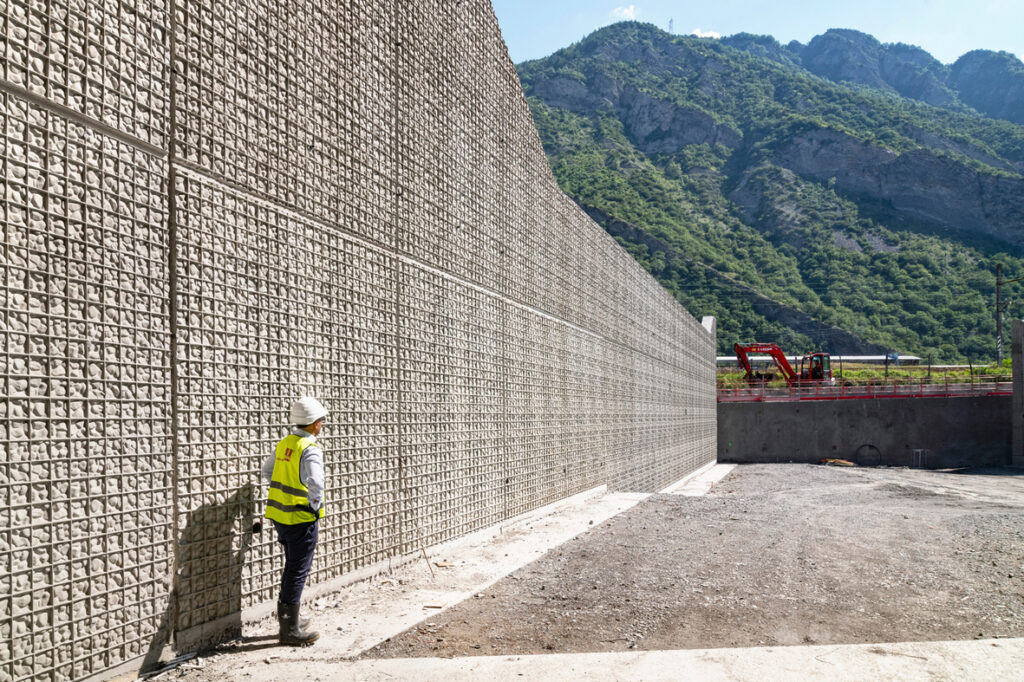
[774,555]
[779,572]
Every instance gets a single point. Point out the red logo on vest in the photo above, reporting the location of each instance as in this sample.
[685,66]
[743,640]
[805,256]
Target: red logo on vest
[288,454]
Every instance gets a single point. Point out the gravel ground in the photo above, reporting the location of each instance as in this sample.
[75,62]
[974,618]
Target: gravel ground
[774,555]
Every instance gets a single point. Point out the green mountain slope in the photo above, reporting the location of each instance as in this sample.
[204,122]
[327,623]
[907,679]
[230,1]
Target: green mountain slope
[795,209]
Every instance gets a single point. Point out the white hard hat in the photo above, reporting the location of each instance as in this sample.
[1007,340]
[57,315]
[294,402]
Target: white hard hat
[305,411]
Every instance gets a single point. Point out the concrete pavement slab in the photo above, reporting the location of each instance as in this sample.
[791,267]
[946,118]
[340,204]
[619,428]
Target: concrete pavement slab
[701,482]
[989,660]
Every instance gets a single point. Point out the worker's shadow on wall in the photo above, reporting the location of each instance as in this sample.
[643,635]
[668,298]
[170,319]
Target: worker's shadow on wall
[206,602]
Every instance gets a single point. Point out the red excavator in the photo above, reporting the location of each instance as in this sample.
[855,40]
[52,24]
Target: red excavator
[814,367]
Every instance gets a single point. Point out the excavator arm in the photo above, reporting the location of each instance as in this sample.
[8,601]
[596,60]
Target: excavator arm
[745,349]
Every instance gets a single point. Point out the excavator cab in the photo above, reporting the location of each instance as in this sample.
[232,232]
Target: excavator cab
[816,367]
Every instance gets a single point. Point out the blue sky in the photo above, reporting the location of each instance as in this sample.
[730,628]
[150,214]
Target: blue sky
[946,28]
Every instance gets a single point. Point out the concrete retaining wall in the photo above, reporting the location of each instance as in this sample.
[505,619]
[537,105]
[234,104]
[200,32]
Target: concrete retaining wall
[917,432]
[211,208]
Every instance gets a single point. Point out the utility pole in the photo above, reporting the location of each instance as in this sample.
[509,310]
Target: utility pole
[999,310]
[999,314]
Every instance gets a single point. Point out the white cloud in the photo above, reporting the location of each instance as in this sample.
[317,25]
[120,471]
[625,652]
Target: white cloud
[625,13]
[701,33]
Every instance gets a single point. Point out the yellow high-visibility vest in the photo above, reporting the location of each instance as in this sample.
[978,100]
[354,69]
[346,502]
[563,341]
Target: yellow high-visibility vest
[287,501]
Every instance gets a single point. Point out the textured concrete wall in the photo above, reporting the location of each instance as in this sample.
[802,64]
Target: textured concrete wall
[1017,456]
[918,432]
[211,208]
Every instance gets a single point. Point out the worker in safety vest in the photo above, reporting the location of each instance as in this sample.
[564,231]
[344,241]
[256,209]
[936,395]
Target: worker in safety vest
[295,472]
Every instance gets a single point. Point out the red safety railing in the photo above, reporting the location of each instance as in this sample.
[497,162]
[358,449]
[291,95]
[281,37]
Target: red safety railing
[895,389]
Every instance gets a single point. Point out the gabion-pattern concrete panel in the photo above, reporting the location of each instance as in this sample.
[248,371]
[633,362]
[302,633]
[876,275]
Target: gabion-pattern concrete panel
[85,479]
[269,305]
[211,208]
[107,60]
[293,102]
[451,406]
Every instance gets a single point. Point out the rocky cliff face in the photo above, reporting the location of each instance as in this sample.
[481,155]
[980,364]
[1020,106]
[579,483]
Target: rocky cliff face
[992,83]
[845,55]
[655,125]
[920,184]
[842,55]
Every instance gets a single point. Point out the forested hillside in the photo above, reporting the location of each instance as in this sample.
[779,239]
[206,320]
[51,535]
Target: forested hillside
[796,209]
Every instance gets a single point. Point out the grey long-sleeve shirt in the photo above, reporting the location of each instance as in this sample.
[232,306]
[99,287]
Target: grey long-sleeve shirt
[311,469]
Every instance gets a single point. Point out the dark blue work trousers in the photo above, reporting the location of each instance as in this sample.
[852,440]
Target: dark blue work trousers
[299,541]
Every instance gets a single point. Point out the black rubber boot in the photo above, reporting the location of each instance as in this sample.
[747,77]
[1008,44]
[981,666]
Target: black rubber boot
[291,633]
[303,621]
